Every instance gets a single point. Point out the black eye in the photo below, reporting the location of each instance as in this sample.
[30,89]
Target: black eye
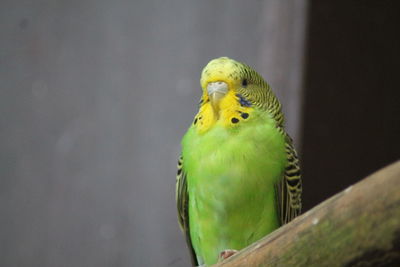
[244,82]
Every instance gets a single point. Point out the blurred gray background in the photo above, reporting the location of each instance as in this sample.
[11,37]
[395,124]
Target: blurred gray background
[96,95]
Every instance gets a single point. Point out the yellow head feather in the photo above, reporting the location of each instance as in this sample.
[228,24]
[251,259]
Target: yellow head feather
[246,90]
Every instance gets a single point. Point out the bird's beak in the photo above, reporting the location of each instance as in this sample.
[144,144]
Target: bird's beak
[216,91]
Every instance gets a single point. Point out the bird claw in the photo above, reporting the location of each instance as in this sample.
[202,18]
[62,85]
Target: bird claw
[226,254]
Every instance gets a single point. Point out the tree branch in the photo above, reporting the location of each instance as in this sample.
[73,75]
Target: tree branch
[359,226]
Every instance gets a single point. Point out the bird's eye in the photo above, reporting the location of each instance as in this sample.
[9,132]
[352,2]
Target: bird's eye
[244,82]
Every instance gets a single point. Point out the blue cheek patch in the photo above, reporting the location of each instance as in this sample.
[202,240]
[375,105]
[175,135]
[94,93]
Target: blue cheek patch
[243,101]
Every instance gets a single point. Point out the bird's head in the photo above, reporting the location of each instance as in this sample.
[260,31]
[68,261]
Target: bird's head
[231,92]
[223,75]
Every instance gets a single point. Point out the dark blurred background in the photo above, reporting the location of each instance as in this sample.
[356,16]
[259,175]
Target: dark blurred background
[351,102]
[96,95]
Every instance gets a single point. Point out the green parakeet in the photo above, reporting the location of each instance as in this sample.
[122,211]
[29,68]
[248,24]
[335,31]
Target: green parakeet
[238,174]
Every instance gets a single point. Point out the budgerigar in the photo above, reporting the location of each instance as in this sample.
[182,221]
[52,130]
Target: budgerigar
[238,174]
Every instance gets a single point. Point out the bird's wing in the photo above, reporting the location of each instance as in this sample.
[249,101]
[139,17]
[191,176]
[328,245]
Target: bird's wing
[289,188]
[182,203]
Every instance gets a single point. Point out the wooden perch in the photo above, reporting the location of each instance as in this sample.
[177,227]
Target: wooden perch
[360,226]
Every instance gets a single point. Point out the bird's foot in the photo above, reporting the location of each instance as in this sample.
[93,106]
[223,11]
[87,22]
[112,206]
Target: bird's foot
[226,254]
